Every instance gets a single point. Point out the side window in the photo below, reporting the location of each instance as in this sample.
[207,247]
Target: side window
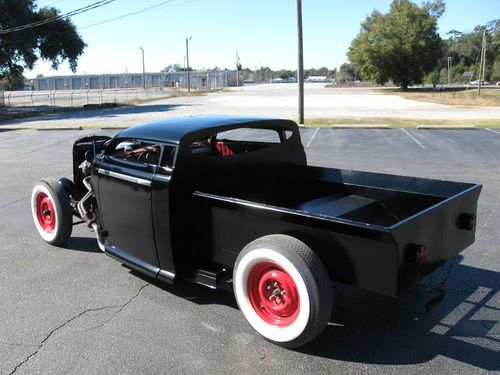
[136,151]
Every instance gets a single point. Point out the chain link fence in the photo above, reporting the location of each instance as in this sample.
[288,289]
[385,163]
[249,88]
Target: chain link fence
[26,101]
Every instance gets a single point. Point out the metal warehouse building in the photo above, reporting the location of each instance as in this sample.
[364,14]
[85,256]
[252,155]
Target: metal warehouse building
[199,80]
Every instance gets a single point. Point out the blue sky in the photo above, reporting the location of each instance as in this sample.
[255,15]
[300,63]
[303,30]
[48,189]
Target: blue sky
[262,31]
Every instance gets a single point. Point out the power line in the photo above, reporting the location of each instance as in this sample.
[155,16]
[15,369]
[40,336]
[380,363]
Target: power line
[157,6]
[154,7]
[84,9]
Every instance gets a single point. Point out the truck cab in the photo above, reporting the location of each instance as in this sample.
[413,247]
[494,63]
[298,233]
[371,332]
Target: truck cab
[145,177]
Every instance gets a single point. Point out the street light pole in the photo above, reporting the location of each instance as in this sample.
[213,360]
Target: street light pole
[300,67]
[187,63]
[143,70]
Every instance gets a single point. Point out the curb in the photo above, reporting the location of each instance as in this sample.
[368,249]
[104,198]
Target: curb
[59,128]
[360,126]
[53,128]
[111,127]
[447,127]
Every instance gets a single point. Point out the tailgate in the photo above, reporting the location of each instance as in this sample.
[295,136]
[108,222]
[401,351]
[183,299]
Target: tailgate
[431,237]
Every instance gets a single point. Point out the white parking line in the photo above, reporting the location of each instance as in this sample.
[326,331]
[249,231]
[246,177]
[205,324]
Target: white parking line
[312,138]
[491,130]
[412,137]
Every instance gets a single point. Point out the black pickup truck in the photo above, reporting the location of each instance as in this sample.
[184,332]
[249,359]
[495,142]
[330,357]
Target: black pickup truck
[230,203]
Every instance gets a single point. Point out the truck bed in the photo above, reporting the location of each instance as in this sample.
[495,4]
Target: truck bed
[367,221]
[340,194]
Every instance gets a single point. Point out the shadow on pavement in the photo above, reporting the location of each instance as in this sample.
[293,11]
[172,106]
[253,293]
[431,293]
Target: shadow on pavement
[106,113]
[85,244]
[198,294]
[373,329]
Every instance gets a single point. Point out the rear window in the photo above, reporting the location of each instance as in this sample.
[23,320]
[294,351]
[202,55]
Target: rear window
[238,141]
[251,135]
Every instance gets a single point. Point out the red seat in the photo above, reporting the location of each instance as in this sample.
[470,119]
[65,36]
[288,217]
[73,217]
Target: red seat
[224,149]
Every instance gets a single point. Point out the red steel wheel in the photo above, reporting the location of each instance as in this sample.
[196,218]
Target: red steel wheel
[283,290]
[51,211]
[273,294]
[45,212]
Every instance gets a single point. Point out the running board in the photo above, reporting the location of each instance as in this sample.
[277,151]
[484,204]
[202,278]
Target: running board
[211,279]
[139,265]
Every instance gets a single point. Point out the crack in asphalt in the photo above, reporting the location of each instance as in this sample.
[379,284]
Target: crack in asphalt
[121,307]
[14,202]
[53,331]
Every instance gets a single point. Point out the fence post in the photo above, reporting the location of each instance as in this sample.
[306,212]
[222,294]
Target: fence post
[54,98]
[101,97]
[71,98]
[88,96]
[8,98]
[32,101]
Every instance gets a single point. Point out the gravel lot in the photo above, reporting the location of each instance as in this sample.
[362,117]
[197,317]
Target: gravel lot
[76,310]
[272,100]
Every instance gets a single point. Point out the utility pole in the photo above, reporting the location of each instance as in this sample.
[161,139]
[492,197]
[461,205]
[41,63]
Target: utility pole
[481,64]
[449,65]
[143,70]
[484,54]
[300,67]
[336,62]
[237,70]
[187,63]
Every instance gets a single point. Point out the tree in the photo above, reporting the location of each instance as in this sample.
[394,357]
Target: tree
[495,71]
[347,73]
[14,80]
[172,68]
[284,74]
[55,41]
[402,45]
[264,73]
[464,48]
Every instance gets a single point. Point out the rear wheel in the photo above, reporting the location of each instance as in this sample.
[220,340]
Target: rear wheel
[283,290]
[51,210]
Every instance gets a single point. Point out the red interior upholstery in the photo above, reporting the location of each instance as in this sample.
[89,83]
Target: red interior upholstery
[224,149]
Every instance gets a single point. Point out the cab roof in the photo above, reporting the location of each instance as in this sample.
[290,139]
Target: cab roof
[173,130]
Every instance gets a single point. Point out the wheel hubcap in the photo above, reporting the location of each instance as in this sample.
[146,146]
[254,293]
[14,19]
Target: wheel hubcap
[273,294]
[45,212]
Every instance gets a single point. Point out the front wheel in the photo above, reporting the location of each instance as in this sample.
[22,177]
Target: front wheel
[51,210]
[283,290]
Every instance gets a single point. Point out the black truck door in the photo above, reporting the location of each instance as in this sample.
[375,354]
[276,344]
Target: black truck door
[125,175]
[161,213]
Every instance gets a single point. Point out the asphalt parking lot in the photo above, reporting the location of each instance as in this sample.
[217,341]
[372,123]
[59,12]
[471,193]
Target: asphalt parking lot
[75,310]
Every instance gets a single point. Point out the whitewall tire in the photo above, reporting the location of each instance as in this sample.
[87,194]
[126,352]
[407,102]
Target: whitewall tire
[283,290]
[51,211]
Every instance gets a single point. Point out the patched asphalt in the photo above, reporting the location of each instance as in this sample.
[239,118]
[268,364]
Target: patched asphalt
[75,310]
